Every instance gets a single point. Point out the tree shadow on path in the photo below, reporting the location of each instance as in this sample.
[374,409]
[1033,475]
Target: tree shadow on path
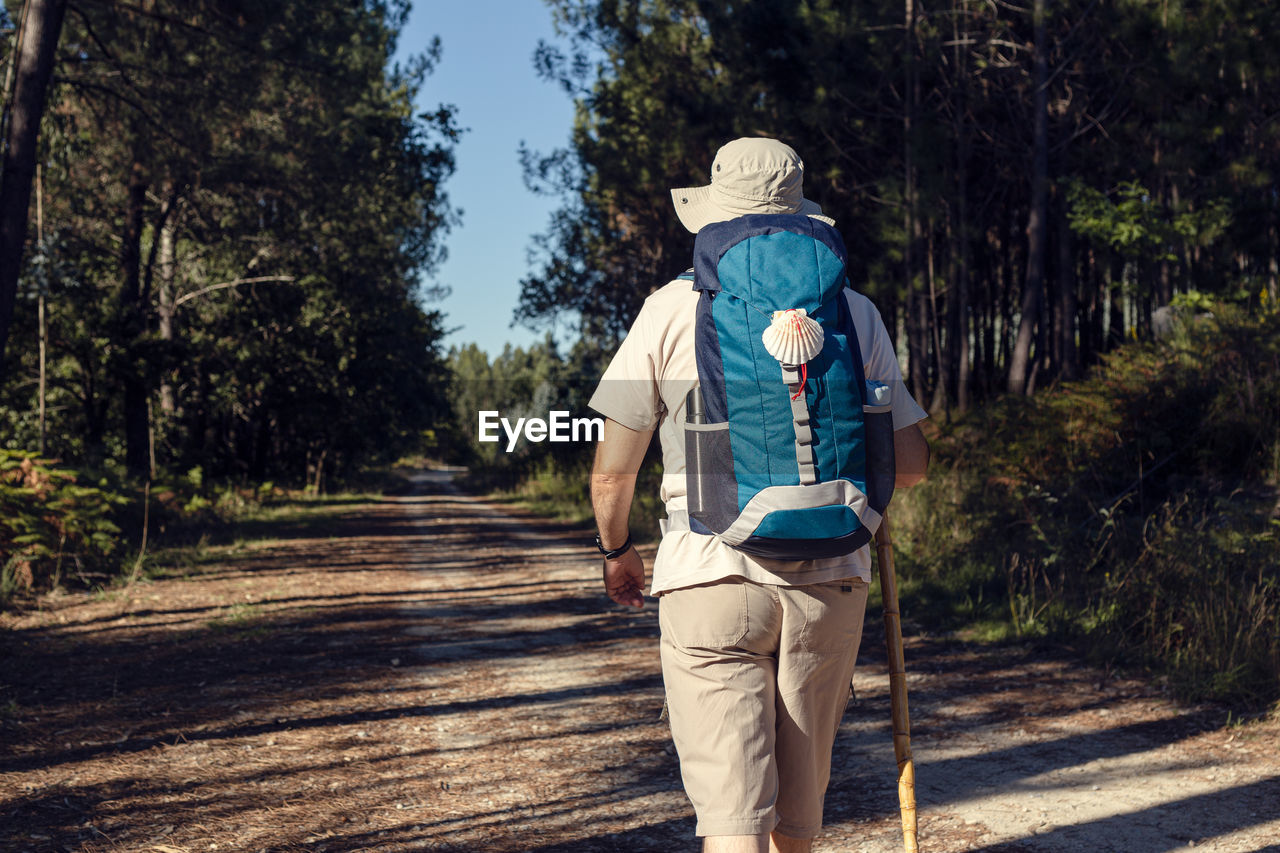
[430,672]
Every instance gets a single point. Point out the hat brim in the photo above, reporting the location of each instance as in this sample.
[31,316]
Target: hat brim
[697,208]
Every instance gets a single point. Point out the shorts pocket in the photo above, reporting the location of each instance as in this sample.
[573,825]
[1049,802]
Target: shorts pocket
[713,616]
[833,615]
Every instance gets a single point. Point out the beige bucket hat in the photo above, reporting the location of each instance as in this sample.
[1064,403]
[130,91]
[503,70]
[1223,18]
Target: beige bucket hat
[749,175]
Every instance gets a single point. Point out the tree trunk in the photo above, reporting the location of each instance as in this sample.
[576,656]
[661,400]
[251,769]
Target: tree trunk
[261,447]
[37,43]
[165,308]
[1115,305]
[44,373]
[941,396]
[916,323]
[958,323]
[95,415]
[985,360]
[40,318]
[1095,342]
[317,483]
[1068,303]
[1273,268]
[1037,231]
[133,325]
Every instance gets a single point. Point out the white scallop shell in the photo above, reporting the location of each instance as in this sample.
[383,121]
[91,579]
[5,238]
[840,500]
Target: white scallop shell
[793,337]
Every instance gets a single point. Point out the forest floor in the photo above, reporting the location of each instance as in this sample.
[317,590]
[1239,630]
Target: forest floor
[433,672]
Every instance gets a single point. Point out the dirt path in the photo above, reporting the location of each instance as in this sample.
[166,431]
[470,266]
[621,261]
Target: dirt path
[431,673]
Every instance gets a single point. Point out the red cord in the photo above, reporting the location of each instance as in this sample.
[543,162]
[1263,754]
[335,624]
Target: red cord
[804,377]
[794,319]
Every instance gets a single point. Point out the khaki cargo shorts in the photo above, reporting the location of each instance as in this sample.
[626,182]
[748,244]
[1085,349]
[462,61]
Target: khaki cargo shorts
[757,679]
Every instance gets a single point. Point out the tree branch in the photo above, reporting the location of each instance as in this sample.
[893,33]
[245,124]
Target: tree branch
[263,279]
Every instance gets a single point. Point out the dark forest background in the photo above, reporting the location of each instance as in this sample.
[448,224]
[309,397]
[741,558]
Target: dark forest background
[1022,187]
[216,217]
[238,203]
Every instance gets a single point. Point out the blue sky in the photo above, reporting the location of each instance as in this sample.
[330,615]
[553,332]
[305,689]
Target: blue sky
[486,72]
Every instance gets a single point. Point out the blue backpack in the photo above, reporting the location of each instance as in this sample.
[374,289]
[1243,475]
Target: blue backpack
[784,461]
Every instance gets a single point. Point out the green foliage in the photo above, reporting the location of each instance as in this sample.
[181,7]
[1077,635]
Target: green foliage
[1134,223]
[51,522]
[518,383]
[550,478]
[649,119]
[919,141]
[62,527]
[239,212]
[1202,596]
[1135,511]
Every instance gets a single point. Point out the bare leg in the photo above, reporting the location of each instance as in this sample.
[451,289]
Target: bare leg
[736,843]
[779,843]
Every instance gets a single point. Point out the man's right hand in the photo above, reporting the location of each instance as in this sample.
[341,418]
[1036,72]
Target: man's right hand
[624,579]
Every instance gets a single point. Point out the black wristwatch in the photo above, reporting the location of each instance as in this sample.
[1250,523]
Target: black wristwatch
[616,552]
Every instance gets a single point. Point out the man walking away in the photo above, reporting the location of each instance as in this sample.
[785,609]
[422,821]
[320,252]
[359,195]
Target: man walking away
[757,651]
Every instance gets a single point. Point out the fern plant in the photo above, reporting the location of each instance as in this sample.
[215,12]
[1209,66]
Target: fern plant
[50,520]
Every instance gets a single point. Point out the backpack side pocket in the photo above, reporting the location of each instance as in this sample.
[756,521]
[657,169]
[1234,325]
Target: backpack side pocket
[877,413]
[713,491]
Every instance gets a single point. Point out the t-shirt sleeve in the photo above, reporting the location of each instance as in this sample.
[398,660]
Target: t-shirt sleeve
[881,362]
[628,391]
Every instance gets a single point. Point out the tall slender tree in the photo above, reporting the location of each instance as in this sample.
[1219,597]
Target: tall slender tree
[39,27]
[1029,321]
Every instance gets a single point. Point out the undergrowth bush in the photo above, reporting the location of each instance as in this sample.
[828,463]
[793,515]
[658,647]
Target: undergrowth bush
[51,522]
[1203,597]
[61,526]
[1134,512]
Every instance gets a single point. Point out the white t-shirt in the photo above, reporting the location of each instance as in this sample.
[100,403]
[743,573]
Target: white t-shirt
[645,387]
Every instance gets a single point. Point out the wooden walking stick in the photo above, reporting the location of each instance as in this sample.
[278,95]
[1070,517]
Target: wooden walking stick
[897,688]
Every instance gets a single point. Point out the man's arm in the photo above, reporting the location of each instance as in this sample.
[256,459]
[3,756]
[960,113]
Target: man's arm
[910,456]
[613,482]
